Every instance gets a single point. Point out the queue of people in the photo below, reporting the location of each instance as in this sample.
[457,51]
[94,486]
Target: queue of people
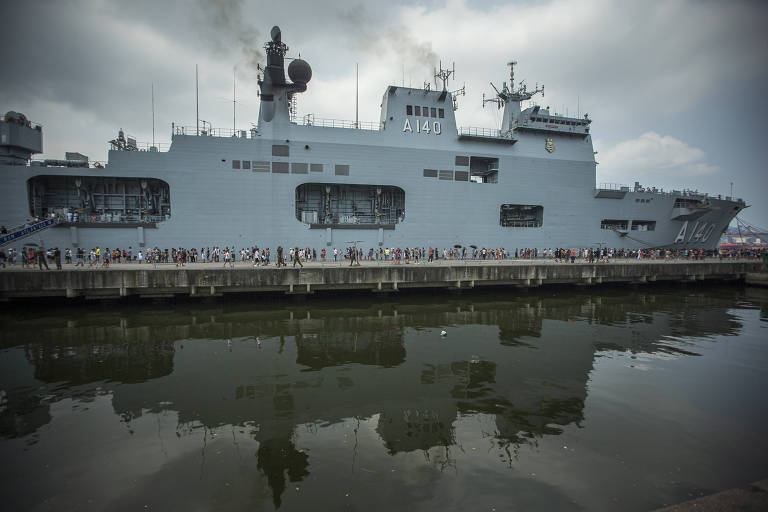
[32,256]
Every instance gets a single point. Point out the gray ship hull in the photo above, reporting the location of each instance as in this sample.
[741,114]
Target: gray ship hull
[412,180]
[215,205]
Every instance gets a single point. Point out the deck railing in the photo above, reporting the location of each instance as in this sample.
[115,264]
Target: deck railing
[660,191]
[311,120]
[307,120]
[474,131]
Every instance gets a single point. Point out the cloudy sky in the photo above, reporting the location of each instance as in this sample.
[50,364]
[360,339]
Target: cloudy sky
[676,89]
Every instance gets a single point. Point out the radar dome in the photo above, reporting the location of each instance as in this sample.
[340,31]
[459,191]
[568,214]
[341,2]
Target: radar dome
[20,118]
[299,71]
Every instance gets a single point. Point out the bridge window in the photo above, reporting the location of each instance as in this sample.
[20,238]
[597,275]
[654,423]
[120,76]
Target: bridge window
[441,113]
[408,110]
[521,215]
[417,110]
[235,164]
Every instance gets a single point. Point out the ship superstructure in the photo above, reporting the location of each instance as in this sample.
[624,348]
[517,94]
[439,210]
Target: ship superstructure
[414,179]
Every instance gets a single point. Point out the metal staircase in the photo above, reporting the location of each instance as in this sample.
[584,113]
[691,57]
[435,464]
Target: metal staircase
[25,231]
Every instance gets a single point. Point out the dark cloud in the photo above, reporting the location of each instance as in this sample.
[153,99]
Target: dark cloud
[227,25]
[690,70]
[366,31]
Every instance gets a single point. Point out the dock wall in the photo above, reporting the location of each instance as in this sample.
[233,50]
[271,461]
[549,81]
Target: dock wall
[212,282]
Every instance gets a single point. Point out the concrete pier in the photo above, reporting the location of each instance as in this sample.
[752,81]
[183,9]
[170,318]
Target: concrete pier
[210,280]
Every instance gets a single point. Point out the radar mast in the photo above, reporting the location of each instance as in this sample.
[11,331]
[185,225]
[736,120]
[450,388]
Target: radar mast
[444,75]
[511,94]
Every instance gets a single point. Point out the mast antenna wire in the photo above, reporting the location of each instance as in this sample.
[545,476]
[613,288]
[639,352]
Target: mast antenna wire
[234,102]
[153,114]
[197,106]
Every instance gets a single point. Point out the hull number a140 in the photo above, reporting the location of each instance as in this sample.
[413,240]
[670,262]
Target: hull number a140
[700,233]
[425,127]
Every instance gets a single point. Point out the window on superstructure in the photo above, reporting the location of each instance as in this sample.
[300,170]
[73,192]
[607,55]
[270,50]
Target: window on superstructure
[342,170]
[461,175]
[260,166]
[425,111]
[643,225]
[445,175]
[430,173]
[279,150]
[280,167]
[441,113]
[409,110]
[614,224]
[686,203]
[462,161]
[315,167]
[484,169]
[521,215]
[417,110]
[433,112]
[299,168]
[246,164]
[235,164]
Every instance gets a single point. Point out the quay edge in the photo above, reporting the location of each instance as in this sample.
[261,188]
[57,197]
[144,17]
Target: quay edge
[214,282]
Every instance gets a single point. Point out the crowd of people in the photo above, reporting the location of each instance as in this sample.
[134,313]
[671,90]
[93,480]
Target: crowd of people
[256,256]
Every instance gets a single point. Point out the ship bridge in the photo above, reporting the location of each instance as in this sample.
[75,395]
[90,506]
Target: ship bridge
[537,119]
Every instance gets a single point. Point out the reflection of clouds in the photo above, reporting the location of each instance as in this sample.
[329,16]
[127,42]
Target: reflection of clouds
[525,361]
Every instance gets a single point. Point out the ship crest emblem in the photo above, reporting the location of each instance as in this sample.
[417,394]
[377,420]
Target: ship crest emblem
[549,145]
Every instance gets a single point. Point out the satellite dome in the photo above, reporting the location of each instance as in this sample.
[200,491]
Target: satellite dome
[20,118]
[299,71]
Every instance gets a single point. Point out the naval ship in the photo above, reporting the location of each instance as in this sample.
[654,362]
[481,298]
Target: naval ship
[413,179]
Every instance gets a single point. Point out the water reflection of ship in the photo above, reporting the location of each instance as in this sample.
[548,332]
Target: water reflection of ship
[337,364]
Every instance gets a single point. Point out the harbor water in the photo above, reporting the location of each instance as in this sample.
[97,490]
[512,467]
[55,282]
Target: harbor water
[624,398]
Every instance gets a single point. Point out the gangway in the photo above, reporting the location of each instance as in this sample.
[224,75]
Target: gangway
[25,231]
